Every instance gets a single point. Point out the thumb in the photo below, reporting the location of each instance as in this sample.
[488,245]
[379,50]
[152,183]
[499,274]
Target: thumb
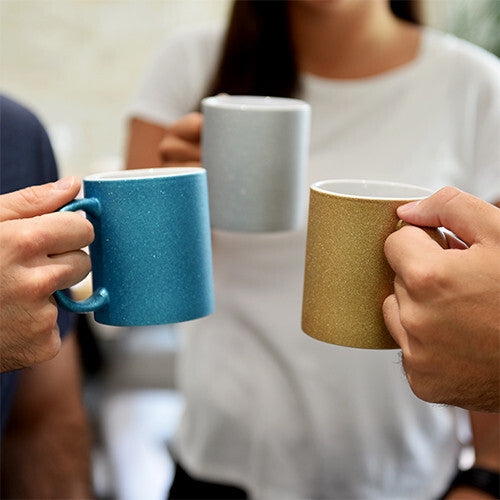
[468,217]
[38,200]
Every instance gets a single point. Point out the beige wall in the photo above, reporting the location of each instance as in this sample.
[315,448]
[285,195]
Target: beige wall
[76,63]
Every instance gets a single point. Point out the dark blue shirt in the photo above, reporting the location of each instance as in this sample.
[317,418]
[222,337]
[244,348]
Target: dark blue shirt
[26,159]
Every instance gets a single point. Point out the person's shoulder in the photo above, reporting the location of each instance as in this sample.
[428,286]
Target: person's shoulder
[27,157]
[462,56]
[20,127]
[15,116]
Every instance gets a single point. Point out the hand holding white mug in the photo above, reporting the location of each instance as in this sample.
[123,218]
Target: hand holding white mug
[39,254]
[181,144]
[445,310]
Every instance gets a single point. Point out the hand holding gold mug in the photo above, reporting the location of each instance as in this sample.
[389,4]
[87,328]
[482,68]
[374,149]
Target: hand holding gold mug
[347,276]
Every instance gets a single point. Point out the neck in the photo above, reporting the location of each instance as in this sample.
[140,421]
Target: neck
[350,39]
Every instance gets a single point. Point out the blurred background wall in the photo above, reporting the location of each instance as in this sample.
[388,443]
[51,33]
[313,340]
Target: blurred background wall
[78,62]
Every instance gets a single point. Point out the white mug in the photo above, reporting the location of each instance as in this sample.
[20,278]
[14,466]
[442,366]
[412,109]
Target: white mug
[255,151]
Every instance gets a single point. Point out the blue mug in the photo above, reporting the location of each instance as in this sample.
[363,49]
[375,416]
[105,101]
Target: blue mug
[151,257]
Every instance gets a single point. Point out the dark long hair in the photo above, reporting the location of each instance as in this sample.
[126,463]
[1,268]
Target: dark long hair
[257,56]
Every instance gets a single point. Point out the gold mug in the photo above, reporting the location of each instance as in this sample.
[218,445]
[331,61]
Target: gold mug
[347,277]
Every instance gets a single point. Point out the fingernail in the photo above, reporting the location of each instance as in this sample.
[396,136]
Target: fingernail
[408,207]
[64,183]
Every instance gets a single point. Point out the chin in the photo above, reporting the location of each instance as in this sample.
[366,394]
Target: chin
[329,5]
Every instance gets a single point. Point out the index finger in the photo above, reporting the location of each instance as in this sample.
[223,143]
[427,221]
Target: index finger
[188,127]
[470,218]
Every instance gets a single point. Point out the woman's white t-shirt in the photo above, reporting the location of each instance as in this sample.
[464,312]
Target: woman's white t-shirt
[267,407]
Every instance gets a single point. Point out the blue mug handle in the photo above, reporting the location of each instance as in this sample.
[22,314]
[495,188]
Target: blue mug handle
[101,296]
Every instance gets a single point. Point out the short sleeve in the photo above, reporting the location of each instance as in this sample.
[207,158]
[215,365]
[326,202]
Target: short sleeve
[177,75]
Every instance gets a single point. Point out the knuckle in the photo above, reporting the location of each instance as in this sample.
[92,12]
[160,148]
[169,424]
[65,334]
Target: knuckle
[11,242]
[388,243]
[45,320]
[423,277]
[87,229]
[90,229]
[79,225]
[449,192]
[413,361]
[410,320]
[31,195]
[30,238]
[422,387]
[43,282]
[420,373]
[450,197]
[195,115]
[168,136]
[53,345]
[167,143]
[194,119]
[412,374]
[50,345]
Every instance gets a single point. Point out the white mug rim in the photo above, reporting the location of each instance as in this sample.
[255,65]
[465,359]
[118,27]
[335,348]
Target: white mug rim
[254,103]
[320,187]
[143,173]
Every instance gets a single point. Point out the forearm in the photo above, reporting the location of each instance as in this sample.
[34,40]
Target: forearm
[486,430]
[49,460]
[46,444]
[486,440]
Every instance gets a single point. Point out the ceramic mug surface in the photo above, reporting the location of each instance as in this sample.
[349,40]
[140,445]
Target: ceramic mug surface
[151,257]
[347,277]
[255,151]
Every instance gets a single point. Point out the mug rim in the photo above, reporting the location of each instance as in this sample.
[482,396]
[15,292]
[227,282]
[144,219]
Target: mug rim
[254,103]
[422,192]
[144,173]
